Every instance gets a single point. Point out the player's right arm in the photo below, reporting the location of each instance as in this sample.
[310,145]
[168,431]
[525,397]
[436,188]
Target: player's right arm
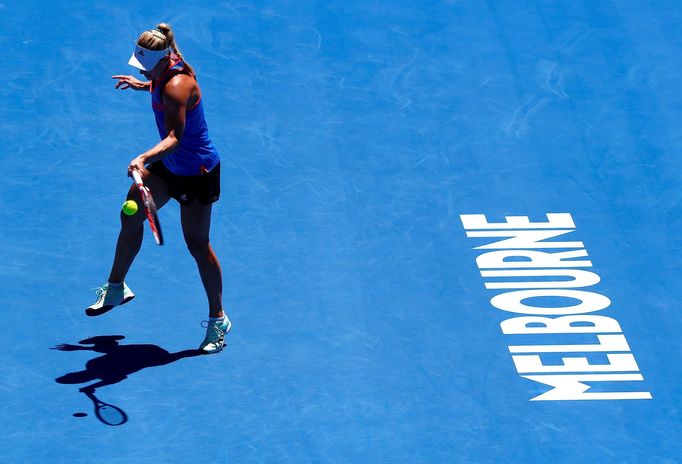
[130,82]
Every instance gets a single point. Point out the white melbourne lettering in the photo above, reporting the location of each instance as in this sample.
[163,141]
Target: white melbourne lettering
[550,287]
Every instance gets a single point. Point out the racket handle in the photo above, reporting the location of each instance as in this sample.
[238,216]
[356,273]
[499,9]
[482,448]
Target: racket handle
[136,177]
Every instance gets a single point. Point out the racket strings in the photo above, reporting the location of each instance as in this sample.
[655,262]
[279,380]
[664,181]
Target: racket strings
[111,415]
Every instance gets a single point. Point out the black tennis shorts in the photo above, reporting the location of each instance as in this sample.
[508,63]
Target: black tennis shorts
[205,187]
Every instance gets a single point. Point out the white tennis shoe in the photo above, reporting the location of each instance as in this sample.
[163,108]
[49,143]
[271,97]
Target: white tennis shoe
[108,297]
[215,335]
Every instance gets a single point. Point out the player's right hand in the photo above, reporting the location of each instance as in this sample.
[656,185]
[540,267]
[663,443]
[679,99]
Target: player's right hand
[130,82]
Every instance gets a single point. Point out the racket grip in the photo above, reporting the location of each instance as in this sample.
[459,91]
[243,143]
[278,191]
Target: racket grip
[136,177]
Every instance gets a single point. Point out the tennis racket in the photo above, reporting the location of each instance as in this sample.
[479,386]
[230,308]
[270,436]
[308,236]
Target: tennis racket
[149,207]
[107,413]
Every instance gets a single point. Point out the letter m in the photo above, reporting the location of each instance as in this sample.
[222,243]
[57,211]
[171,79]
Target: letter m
[571,387]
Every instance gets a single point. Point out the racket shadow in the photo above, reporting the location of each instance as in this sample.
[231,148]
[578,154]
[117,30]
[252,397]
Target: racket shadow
[116,363]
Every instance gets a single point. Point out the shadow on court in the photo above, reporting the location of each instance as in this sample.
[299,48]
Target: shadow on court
[116,364]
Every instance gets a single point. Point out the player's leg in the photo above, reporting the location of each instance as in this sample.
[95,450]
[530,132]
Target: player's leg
[196,224]
[115,292]
[130,236]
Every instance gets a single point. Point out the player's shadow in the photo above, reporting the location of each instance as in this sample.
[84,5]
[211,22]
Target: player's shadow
[117,361]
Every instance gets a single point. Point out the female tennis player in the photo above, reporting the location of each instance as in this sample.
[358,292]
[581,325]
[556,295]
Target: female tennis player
[184,166]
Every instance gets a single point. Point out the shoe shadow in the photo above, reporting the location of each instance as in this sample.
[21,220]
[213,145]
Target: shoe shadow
[115,365]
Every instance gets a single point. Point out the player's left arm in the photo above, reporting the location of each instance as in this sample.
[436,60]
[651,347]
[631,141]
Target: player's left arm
[67,347]
[176,94]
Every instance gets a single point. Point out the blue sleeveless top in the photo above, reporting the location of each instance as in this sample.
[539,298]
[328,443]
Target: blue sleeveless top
[196,153]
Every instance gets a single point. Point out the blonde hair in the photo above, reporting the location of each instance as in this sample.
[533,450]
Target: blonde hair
[160,39]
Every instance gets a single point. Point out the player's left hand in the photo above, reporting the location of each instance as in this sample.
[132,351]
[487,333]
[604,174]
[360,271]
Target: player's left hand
[67,347]
[129,82]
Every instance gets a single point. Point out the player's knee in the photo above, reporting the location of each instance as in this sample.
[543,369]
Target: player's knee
[132,223]
[198,248]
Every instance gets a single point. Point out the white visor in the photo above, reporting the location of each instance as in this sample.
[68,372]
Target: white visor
[145,59]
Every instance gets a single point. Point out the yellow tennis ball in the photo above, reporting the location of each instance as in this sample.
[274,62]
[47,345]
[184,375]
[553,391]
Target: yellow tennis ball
[129,207]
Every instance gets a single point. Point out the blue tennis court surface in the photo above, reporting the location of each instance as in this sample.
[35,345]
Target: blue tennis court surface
[376,312]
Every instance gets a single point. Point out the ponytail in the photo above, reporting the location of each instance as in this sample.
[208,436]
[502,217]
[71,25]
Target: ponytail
[167,32]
